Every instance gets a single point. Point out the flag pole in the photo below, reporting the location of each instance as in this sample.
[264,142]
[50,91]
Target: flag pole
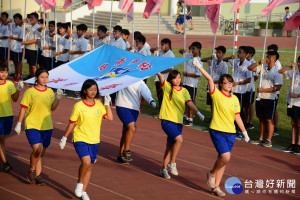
[233,48]
[133,31]
[44,26]
[24,24]
[93,28]
[55,20]
[263,55]
[10,13]
[184,25]
[158,30]
[71,25]
[110,21]
[293,79]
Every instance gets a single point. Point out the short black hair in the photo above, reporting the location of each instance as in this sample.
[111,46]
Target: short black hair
[82,27]
[166,41]
[4,13]
[68,24]
[197,45]
[125,32]
[41,21]
[59,24]
[223,76]
[64,26]
[221,48]
[28,15]
[136,33]
[273,46]
[18,15]
[3,67]
[141,38]
[52,23]
[102,28]
[286,8]
[273,53]
[86,85]
[251,51]
[35,15]
[118,28]
[245,49]
[298,58]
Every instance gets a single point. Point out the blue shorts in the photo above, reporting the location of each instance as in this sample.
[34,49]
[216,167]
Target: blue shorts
[188,17]
[127,115]
[223,142]
[180,20]
[172,130]
[35,136]
[85,149]
[6,125]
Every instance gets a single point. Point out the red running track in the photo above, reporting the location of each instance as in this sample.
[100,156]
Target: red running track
[140,180]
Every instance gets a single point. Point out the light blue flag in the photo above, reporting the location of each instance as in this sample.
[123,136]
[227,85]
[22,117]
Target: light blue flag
[112,68]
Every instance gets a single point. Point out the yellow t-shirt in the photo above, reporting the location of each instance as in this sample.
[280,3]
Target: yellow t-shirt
[88,120]
[38,104]
[7,89]
[173,110]
[224,110]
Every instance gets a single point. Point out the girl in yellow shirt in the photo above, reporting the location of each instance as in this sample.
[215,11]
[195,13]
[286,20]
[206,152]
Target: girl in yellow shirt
[86,117]
[175,97]
[37,104]
[225,110]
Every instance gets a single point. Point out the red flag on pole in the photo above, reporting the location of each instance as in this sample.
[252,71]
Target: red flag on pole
[238,4]
[203,2]
[213,13]
[152,7]
[276,3]
[49,4]
[127,7]
[93,3]
[67,4]
[293,22]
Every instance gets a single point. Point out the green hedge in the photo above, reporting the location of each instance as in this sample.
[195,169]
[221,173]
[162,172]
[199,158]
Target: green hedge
[272,25]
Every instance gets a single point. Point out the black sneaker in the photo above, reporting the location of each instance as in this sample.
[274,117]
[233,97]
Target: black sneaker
[289,148]
[297,149]
[127,155]
[7,167]
[257,141]
[122,160]
[40,181]
[31,176]
[267,143]
[276,133]
[250,126]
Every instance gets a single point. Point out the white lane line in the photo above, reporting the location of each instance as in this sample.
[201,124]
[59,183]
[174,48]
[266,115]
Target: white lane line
[57,171]
[17,194]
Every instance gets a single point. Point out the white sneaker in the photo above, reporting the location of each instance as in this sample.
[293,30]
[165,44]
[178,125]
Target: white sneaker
[78,189]
[173,169]
[164,173]
[85,196]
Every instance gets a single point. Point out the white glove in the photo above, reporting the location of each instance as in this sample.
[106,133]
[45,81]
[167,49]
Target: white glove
[153,104]
[106,40]
[196,62]
[18,127]
[107,100]
[132,50]
[62,142]
[20,85]
[245,134]
[59,93]
[200,115]
[156,53]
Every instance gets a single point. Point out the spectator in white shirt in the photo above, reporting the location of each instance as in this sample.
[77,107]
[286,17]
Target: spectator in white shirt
[16,50]
[125,36]
[101,34]
[127,106]
[293,111]
[191,75]
[4,35]
[63,46]
[270,82]
[286,16]
[117,40]
[48,46]
[79,43]
[146,45]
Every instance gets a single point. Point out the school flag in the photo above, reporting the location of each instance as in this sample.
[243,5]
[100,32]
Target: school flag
[152,7]
[237,4]
[293,22]
[93,3]
[203,2]
[276,3]
[127,7]
[47,4]
[213,13]
[112,68]
[67,4]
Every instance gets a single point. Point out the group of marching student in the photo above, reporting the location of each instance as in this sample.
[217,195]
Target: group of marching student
[231,99]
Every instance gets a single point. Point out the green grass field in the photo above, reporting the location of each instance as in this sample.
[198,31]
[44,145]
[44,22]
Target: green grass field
[284,124]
